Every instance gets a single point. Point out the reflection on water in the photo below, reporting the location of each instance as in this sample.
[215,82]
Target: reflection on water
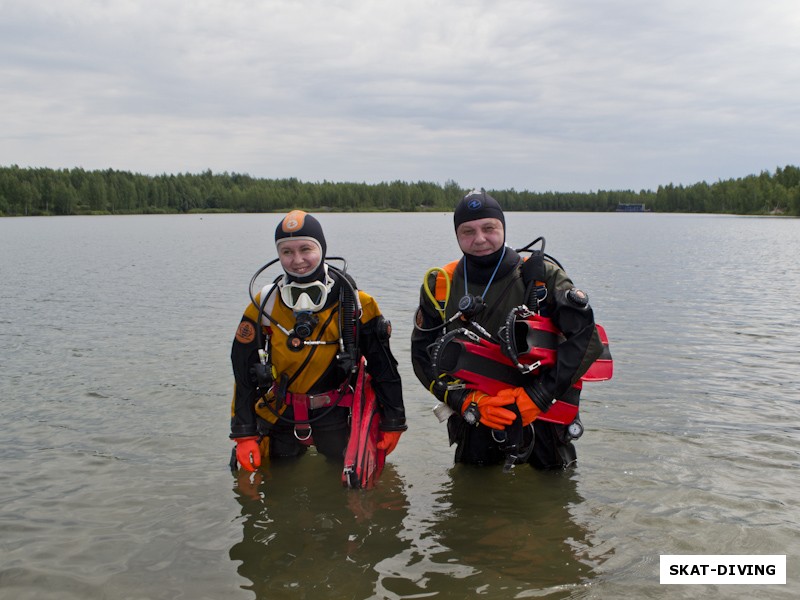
[305,536]
[515,532]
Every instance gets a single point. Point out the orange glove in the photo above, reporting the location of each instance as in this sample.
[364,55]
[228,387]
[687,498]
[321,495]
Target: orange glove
[492,413]
[527,409]
[389,441]
[247,453]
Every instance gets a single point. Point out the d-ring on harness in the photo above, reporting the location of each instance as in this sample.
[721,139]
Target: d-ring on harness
[303,403]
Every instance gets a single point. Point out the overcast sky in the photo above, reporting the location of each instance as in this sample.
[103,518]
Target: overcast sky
[540,95]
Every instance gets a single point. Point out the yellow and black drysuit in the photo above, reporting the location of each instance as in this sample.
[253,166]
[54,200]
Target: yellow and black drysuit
[507,290]
[309,399]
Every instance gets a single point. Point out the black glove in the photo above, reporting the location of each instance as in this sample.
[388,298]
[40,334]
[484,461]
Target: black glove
[540,396]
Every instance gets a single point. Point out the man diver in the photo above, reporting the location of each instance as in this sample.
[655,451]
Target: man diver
[297,351]
[481,290]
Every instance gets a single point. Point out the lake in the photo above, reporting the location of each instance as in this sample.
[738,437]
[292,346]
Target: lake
[115,377]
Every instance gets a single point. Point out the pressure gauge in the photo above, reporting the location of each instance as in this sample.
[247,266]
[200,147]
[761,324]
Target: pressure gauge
[575,429]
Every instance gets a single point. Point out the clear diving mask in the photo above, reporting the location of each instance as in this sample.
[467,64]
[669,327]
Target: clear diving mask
[305,297]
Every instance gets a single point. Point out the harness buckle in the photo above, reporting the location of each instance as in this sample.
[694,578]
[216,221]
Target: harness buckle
[456,386]
[523,311]
[525,369]
[471,335]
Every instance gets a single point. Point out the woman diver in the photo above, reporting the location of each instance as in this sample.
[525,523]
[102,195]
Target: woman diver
[297,353]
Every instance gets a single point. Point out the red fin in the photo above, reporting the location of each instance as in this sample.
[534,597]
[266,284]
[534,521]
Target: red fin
[603,368]
[363,462]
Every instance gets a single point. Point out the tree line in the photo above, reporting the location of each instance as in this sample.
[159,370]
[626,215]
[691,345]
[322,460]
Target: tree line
[44,191]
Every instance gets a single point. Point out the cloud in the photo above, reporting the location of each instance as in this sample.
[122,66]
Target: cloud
[531,95]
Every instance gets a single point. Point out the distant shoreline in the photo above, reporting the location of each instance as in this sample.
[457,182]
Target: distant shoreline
[51,192]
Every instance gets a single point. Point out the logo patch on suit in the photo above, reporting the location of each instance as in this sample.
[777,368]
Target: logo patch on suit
[246,333]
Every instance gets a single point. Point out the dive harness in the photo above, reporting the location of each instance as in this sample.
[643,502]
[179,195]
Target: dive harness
[273,388]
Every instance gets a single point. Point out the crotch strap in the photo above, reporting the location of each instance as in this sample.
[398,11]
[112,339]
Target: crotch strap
[303,403]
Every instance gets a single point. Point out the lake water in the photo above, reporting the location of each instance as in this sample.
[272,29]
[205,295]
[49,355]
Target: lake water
[115,381]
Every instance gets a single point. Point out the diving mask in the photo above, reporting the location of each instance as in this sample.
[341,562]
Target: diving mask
[305,297]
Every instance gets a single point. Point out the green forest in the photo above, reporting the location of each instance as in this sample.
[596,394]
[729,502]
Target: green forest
[43,191]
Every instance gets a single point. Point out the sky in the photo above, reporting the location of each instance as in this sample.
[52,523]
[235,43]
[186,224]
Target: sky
[558,95]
